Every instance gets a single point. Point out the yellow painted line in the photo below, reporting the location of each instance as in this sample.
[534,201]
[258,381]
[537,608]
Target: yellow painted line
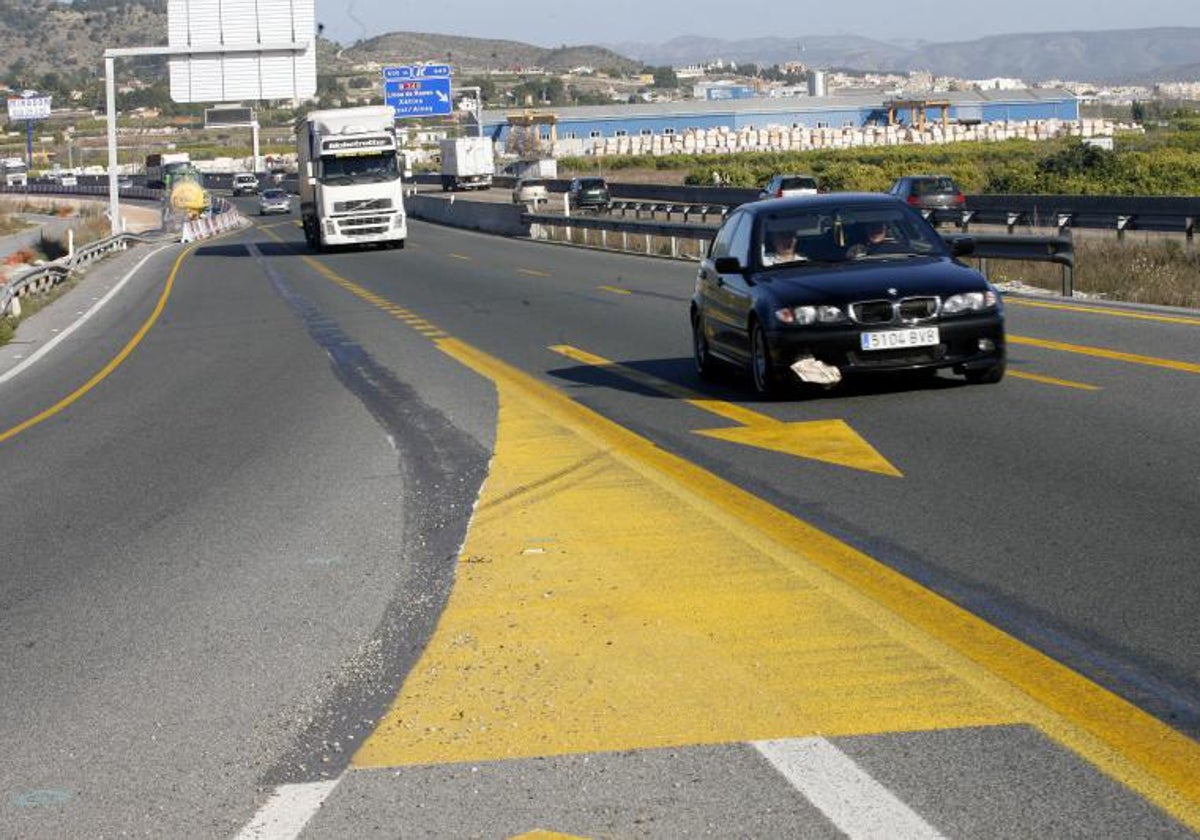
[1106,313]
[1050,380]
[1104,353]
[830,441]
[615,290]
[529,272]
[112,365]
[459,257]
[614,596]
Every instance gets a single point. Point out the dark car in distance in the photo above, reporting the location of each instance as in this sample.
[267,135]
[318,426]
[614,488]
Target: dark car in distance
[938,197]
[817,288]
[589,194]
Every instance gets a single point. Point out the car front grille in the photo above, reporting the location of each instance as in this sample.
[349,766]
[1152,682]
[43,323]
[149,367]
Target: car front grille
[912,310]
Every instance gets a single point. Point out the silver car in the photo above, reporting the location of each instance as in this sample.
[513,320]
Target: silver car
[274,201]
[530,191]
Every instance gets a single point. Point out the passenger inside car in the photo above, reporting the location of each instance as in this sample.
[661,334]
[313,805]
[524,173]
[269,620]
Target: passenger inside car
[779,247]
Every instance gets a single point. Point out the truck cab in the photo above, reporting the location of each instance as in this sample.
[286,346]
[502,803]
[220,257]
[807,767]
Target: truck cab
[351,187]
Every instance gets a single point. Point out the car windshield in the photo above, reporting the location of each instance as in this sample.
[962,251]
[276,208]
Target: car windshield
[845,234]
[273,194]
[592,184]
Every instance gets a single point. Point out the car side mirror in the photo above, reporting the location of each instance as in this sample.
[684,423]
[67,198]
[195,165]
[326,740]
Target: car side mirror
[728,265]
[962,246]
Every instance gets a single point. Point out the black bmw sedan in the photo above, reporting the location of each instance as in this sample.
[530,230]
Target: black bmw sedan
[815,288]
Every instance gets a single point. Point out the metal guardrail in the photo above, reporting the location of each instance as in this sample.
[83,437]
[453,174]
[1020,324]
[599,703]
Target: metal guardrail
[1059,250]
[44,277]
[622,230]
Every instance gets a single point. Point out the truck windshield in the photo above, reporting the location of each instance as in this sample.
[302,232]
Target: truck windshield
[363,169]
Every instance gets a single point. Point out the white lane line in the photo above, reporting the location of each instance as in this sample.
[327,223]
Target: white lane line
[853,801]
[289,809]
[50,345]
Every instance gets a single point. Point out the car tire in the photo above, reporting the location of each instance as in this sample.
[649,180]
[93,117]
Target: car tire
[701,356]
[986,376]
[762,371]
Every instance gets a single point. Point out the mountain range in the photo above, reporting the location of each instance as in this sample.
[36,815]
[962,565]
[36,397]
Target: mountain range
[39,37]
[1114,56]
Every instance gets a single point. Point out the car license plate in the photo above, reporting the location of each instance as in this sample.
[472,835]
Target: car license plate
[899,339]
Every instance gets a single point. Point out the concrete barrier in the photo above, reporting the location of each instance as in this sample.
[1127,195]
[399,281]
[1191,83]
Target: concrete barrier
[487,217]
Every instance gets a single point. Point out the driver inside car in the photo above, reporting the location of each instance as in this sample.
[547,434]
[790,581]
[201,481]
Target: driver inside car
[874,238]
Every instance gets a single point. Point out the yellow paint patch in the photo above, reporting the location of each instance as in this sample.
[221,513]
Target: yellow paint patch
[529,272]
[615,290]
[547,835]
[831,441]
[597,609]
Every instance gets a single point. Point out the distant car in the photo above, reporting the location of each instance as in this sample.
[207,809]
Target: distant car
[66,179]
[245,183]
[938,197]
[124,182]
[817,288]
[784,186]
[589,194]
[274,200]
[530,191]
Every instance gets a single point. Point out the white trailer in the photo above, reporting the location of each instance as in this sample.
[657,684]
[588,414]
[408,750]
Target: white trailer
[467,163]
[351,189]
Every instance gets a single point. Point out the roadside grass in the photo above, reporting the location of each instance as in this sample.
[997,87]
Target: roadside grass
[11,223]
[1161,271]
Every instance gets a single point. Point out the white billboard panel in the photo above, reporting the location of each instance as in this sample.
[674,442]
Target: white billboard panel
[29,108]
[247,62]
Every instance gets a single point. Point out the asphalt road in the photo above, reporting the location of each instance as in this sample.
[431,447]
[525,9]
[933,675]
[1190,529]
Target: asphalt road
[454,542]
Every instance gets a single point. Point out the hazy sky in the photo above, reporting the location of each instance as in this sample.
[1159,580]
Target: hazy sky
[554,22]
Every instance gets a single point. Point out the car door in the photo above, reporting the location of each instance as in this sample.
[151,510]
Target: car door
[726,294]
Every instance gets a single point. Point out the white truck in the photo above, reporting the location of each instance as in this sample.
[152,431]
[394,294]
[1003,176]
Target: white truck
[351,190]
[15,173]
[467,163]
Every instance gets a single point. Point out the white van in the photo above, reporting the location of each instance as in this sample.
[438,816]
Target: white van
[245,183]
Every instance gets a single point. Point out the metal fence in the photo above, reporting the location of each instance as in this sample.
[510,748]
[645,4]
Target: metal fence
[42,278]
[667,239]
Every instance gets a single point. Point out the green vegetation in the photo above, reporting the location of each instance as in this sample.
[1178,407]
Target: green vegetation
[1163,161]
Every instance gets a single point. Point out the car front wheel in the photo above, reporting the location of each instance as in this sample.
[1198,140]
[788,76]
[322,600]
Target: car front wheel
[986,376]
[762,371]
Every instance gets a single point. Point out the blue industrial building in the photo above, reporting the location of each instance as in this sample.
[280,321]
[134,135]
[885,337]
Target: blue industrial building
[855,110]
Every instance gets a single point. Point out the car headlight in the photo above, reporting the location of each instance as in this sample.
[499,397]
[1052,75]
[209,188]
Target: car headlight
[806,315]
[969,302]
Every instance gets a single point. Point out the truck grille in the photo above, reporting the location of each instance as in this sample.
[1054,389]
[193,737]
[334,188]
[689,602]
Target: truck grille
[364,225]
[358,206]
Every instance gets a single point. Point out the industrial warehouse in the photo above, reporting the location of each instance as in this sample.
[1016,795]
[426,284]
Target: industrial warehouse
[783,124]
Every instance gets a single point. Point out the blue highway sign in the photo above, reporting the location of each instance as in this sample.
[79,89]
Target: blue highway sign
[421,90]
